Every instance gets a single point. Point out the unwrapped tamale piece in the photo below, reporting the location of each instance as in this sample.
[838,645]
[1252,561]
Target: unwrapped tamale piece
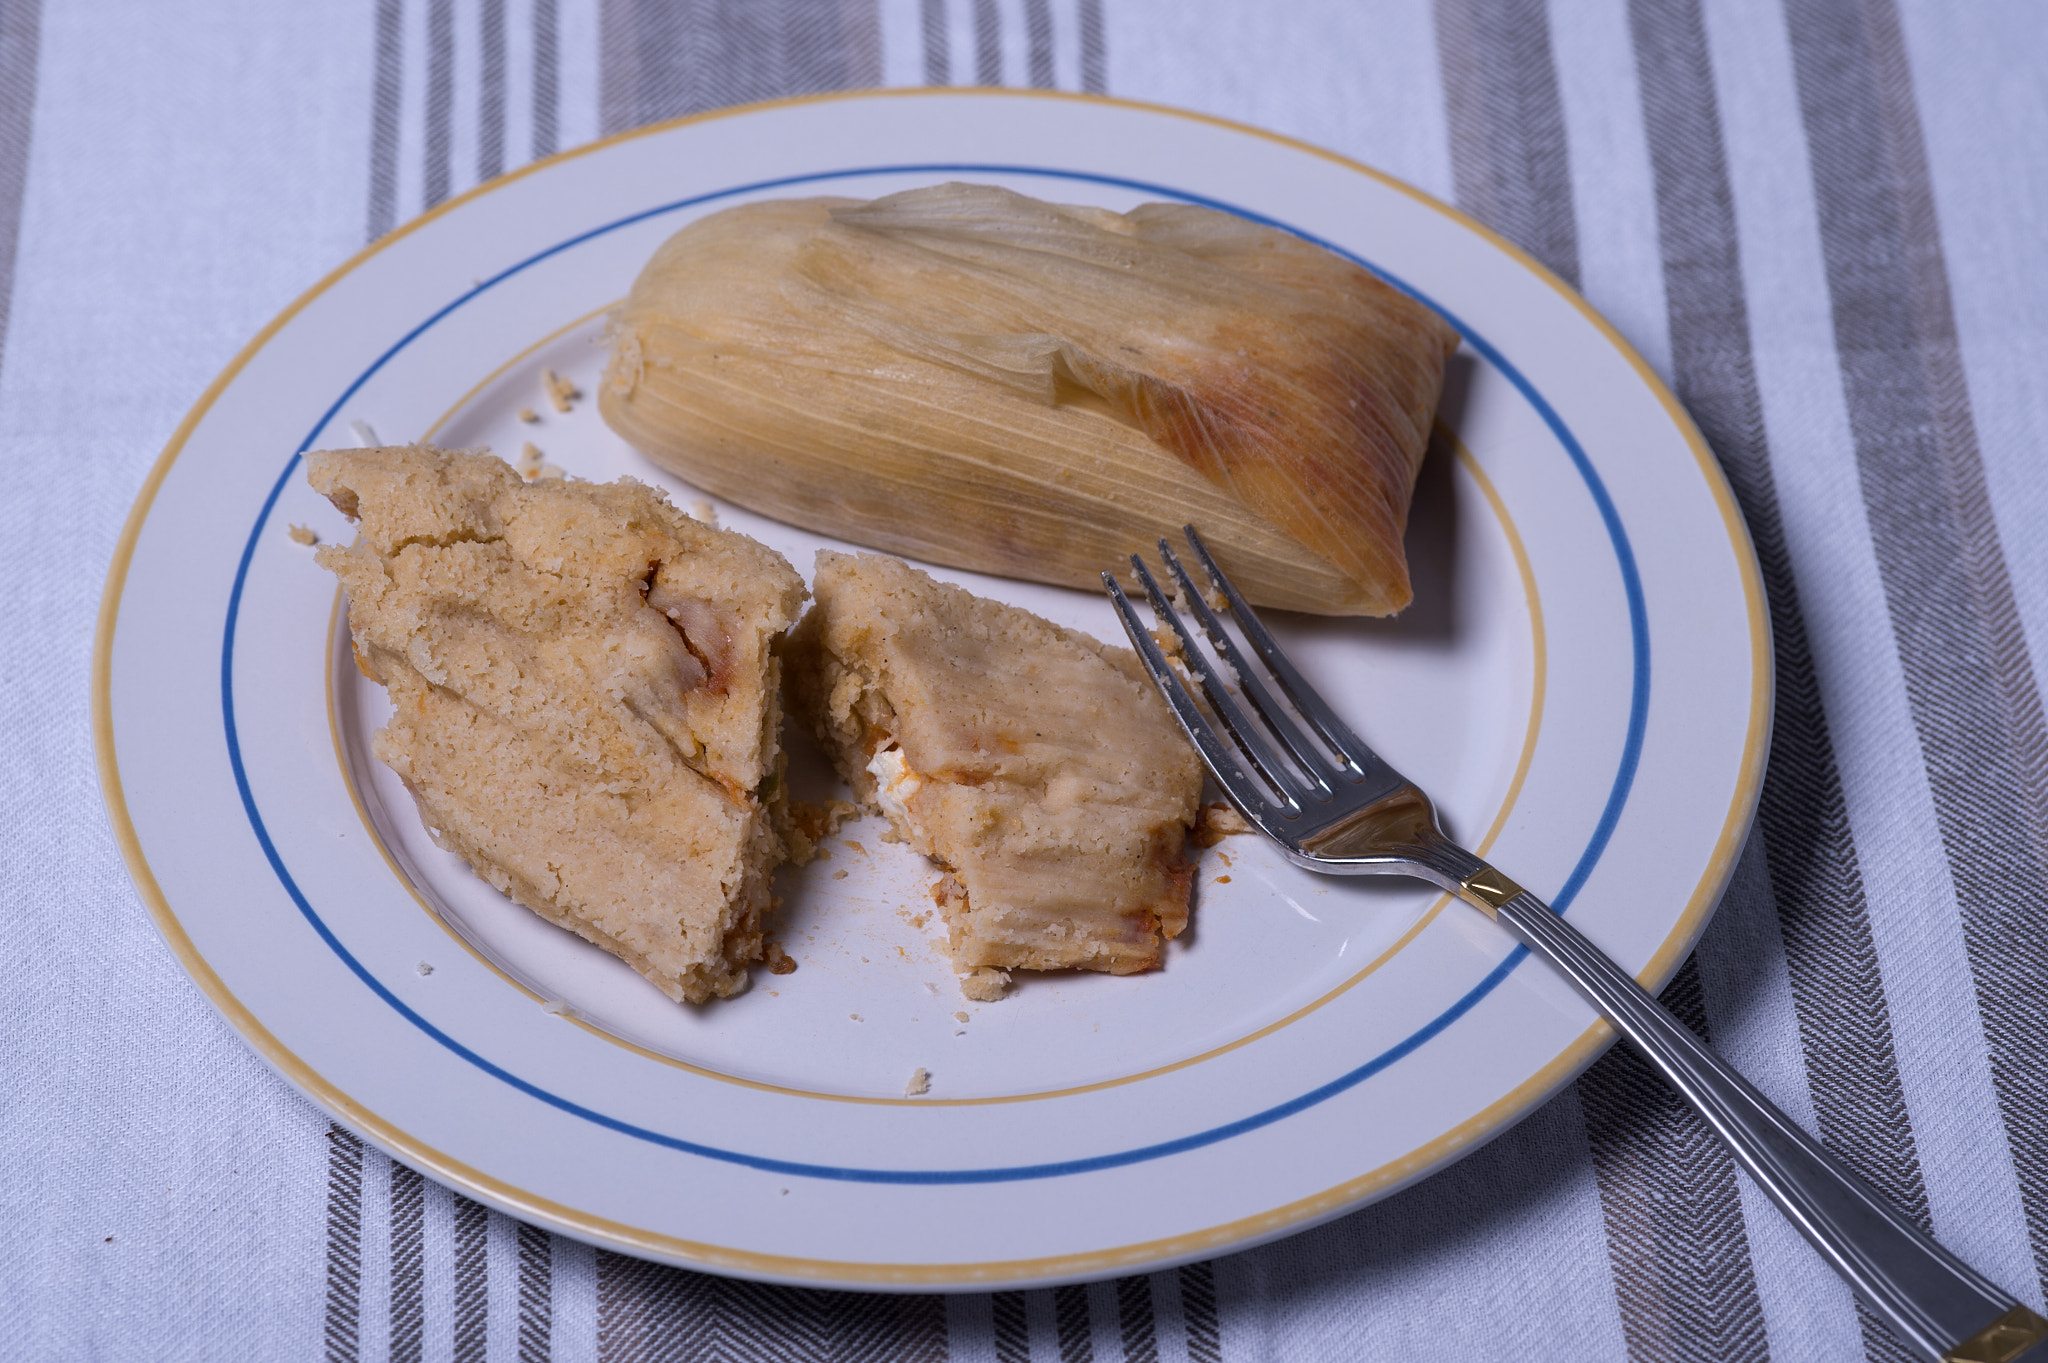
[586,699]
[975,378]
[1038,768]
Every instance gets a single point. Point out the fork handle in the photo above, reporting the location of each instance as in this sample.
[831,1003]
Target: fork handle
[1932,1299]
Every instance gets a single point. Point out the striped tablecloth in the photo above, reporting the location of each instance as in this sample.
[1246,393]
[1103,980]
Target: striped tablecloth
[1819,219]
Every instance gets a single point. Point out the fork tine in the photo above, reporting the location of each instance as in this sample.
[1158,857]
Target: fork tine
[1307,702]
[1307,756]
[1236,723]
[1219,756]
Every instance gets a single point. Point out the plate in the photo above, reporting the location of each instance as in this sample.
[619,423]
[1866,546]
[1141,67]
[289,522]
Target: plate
[1583,684]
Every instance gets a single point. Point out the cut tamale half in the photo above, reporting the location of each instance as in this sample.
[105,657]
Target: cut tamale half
[586,697]
[975,378]
[978,730]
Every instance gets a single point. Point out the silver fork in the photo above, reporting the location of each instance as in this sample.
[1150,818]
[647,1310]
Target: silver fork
[1335,807]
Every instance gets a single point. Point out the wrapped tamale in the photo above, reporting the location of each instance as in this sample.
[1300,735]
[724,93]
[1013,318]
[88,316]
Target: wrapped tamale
[971,377]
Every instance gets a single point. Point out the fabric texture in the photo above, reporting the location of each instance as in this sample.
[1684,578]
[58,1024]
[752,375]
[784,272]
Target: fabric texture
[1818,219]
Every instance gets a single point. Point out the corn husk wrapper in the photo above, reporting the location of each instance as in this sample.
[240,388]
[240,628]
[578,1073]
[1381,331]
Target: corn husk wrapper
[970,377]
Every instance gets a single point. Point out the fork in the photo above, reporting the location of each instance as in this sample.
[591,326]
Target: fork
[1333,806]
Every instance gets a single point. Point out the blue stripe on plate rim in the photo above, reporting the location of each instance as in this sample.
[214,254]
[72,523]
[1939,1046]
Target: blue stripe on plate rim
[1603,830]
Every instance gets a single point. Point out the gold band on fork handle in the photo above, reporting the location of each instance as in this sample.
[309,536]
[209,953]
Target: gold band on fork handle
[2003,1339]
[1488,889]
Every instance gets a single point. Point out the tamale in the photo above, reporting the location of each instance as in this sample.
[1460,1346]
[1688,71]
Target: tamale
[971,377]
[977,728]
[586,696]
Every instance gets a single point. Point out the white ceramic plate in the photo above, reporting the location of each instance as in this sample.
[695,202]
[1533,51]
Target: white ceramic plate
[1583,684]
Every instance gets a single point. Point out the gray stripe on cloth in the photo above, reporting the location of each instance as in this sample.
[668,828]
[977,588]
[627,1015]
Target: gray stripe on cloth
[472,1280]
[1198,1309]
[1011,1328]
[665,58]
[1509,161]
[547,79]
[490,109]
[20,43]
[1071,1324]
[536,1294]
[938,56]
[386,91]
[988,43]
[1969,680]
[1683,1275]
[343,1329]
[1094,49]
[1038,37]
[1831,957]
[650,1313]
[1135,1322]
[1677,1245]
[408,1264]
[438,178]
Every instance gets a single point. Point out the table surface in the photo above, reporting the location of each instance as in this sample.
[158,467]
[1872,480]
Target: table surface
[1816,219]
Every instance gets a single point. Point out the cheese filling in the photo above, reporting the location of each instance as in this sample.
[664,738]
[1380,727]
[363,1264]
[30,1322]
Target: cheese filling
[895,786]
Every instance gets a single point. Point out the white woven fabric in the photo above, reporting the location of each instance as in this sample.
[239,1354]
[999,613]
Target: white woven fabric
[1734,184]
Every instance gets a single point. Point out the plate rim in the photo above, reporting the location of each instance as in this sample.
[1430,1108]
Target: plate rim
[1159,1253]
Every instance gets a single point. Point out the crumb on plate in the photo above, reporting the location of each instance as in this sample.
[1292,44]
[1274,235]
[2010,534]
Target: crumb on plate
[560,391]
[1215,822]
[985,985]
